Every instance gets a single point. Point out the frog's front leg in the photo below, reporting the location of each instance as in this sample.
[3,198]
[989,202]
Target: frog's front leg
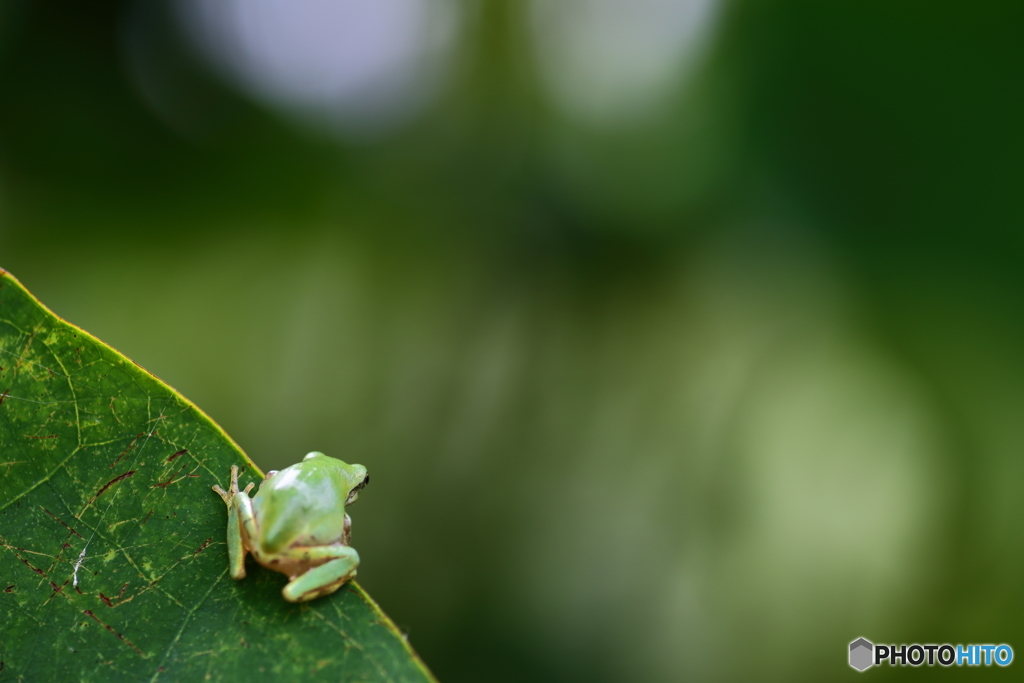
[324,579]
[241,523]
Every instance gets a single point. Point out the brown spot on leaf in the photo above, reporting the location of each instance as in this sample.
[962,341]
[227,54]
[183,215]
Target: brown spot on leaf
[88,613]
[112,482]
[171,458]
[28,564]
[202,547]
[110,602]
[62,522]
[170,480]
[129,447]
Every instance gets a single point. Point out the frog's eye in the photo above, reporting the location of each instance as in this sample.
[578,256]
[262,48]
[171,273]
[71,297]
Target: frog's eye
[354,493]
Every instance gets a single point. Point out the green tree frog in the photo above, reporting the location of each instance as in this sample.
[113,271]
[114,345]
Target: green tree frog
[296,524]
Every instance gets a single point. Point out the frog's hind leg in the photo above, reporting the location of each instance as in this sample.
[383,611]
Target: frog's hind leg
[241,523]
[325,578]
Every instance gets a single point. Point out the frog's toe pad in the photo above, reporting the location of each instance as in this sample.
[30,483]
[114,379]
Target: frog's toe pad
[225,496]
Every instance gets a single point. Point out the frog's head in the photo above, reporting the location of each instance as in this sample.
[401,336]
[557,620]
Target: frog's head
[359,479]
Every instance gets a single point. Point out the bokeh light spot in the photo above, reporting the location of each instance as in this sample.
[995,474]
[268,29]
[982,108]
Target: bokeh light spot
[609,62]
[361,66]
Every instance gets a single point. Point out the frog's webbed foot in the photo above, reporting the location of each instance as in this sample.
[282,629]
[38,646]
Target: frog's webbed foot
[232,491]
[226,496]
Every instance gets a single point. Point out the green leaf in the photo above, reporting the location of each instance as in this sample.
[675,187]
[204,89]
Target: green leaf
[113,563]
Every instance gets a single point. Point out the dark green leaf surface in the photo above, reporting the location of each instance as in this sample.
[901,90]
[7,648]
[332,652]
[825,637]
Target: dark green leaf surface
[113,563]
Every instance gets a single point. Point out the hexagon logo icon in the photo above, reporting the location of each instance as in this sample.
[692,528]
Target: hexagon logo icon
[861,654]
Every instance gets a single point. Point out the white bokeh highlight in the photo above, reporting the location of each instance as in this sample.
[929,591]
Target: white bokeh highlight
[361,66]
[613,62]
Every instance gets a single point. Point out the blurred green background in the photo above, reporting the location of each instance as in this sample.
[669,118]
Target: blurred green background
[683,338]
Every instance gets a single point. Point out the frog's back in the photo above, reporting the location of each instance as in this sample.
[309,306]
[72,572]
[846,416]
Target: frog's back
[302,505]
